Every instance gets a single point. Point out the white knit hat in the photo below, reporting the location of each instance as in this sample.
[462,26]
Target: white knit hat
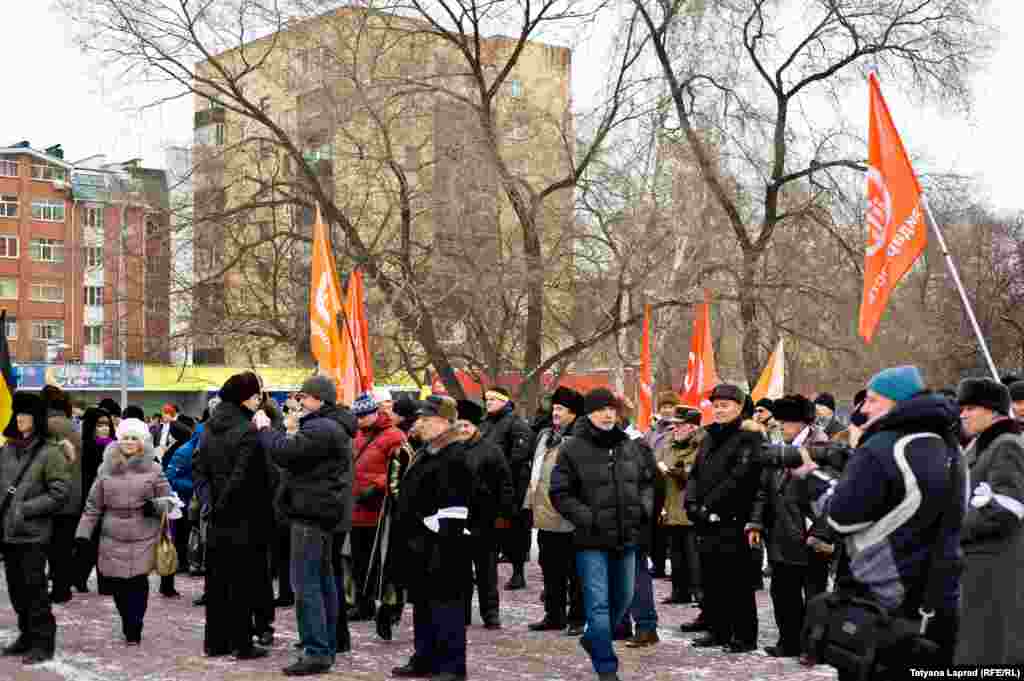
[133,428]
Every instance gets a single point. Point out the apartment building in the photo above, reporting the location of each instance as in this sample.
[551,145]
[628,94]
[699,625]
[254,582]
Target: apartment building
[343,85]
[81,268]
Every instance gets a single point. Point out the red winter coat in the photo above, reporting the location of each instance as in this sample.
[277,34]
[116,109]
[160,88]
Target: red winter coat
[373,447]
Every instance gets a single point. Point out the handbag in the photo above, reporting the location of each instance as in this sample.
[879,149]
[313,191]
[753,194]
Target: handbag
[851,631]
[166,554]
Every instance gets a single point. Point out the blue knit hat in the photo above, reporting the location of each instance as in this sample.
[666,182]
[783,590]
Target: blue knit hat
[897,383]
[364,405]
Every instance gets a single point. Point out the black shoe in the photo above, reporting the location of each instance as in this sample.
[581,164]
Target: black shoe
[37,656]
[253,653]
[492,623]
[284,601]
[517,582]
[779,651]
[170,594]
[608,676]
[546,625]
[694,626]
[20,646]
[675,600]
[59,597]
[575,629]
[410,671]
[308,666]
[216,653]
[448,676]
[265,638]
[741,647]
[622,633]
[585,644]
[199,602]
[133,642]
[298,645]
[708,641]
[543,594]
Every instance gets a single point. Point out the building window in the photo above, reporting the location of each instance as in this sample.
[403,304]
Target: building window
[47,250]
[9,206]
[48,293]
[8,168]
[48,172]
[48,211]
[9,288]
[12,326]
[210,135]
[94,217]
[92,256]
[94,335]
[93,295]
[48,329]
[8,246]
[515,88]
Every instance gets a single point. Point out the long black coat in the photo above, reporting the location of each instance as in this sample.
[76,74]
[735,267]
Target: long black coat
[433,565]
[512,435]
[493,491]
[235,469]
[725,477]
[603,484]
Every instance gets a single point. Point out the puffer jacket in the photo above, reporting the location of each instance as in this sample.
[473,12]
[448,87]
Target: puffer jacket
[41,494]
[179,466]
[373,447]
[679,457]
[316,463]
[127,537]
[512,435]
[61,430]
[603,483]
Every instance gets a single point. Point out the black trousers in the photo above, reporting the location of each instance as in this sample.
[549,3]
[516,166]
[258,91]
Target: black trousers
[517,539]
[362,548]
[685,560]
[233,580]
[561,582]
[789,601]
[131,596]
[263,596]
[282,556]
[338,562]
[730,608]
[439,636]
[58,553]
[25,570]
[483,573]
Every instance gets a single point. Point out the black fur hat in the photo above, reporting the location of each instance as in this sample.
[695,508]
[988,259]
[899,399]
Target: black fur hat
[794,409]
[1017,391]
[27,403]
[471,411]
[984,392]
[568,398]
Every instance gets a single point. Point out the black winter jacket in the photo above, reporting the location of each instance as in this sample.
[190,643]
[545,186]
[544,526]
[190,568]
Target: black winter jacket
[493,490]
[316,484]
[603,484]
[725,477]
[512,435]
[234,466]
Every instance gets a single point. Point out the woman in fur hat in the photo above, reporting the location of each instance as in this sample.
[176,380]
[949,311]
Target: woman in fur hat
[26,523]
[128,498]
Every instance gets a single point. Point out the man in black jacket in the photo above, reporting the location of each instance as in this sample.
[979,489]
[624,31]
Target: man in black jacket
[719,499]
[603,484]
[316,497]
[492,498]
[512,435]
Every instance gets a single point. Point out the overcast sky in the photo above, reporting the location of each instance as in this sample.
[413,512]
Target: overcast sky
[65,99]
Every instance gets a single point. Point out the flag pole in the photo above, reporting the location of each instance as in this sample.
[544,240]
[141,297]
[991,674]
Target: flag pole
[959,287]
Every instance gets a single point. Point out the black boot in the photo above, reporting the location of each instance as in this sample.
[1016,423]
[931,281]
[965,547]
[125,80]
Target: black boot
[20,646]
[518,580]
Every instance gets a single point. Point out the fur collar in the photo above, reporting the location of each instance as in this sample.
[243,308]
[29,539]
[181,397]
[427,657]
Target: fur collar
[1002,427]
[448,437]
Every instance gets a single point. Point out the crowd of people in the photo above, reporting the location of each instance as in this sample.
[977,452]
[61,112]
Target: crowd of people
[915,506]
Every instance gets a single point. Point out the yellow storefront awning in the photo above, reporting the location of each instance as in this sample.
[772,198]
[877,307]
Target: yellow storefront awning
[167,378]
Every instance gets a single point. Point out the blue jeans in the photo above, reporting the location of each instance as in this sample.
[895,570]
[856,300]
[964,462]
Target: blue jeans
[642,609]
[608,581]
[439,636]
[316,593]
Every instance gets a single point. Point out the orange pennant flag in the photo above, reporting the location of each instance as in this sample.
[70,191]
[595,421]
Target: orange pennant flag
[897,233]
[356,364]
[701,374]
[325,305]
[646,396]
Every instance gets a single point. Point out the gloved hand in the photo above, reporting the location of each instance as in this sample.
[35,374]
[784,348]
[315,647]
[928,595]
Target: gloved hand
[383,622]
[149,509]
[369,495]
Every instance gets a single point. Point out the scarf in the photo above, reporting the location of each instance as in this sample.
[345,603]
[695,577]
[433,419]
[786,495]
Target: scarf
[22,443]
[102,442]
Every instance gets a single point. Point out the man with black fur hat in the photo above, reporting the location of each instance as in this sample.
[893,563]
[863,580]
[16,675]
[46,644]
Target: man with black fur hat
[992,535]
[493,498]
[780,516]
[554,532]
[512,435]
[825,409]
[36,483]
[719,499]
[1017,399]
[603,483]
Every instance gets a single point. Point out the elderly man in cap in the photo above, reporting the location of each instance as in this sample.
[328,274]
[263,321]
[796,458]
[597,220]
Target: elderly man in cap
[316,498]
[898,506]
[719,500]
[675,461]
[432,521]
[992,537]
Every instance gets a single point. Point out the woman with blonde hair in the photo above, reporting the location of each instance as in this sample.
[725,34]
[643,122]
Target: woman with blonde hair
[129,496]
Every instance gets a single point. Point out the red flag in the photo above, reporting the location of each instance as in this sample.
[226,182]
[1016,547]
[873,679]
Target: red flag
[324,306]
[356,363]
[701,375]
[646,392]
[897,234]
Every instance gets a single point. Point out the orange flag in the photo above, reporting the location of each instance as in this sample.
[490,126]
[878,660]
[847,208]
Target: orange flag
[646,396]
[324,305]
[701,375]
[355,362]
[897,234]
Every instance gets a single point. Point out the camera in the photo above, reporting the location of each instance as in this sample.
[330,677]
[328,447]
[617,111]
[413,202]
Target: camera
[826,454]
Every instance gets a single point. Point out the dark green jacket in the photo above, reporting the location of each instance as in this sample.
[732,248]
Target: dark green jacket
[42,492]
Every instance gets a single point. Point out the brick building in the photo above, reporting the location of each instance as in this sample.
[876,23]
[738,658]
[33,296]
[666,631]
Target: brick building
[81,265]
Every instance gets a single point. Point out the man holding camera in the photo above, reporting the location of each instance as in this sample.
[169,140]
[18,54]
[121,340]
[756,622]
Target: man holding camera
[899,501]
[780,514]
